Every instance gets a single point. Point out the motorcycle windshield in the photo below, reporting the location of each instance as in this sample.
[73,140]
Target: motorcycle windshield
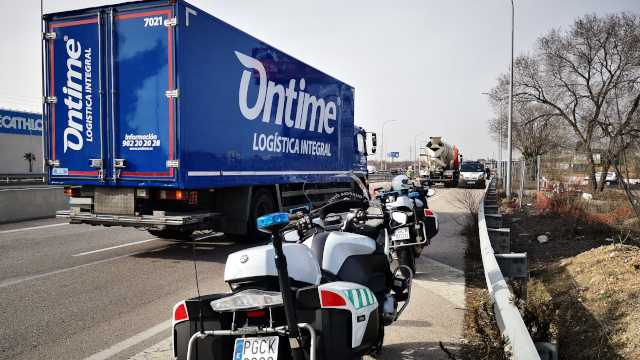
[326,190]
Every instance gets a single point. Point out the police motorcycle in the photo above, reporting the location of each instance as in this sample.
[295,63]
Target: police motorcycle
[408,240]
[326,295]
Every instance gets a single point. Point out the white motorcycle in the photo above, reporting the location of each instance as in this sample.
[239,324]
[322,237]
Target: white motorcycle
[421,225]
[328,295]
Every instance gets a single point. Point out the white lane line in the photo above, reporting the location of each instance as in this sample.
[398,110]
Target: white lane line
[32,228]
[140,242]
[115,247]
[16,280]
[136,339]
[437,196]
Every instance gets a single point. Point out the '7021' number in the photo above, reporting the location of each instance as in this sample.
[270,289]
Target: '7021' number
[154,21]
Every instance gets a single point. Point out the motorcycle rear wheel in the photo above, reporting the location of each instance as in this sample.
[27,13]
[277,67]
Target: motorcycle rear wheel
[406,257]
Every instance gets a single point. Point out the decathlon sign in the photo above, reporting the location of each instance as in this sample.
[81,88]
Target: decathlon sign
[14,122]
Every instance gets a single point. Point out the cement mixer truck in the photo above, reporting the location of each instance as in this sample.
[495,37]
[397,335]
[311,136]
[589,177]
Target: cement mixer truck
[442,164]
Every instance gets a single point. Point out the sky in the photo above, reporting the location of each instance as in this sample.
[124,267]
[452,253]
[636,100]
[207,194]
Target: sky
[424,64]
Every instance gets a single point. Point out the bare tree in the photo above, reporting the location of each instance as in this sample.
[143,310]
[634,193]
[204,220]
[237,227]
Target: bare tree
[588,76]
[535,130]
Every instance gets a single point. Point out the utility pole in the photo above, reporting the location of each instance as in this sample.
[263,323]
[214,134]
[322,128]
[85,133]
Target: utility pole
[383,154]
[509,177]
[410,152]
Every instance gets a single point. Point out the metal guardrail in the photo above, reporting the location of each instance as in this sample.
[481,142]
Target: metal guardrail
[377,177]
[9,177]
[508,316]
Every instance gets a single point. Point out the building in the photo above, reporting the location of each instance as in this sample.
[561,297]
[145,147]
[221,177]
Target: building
[20,134]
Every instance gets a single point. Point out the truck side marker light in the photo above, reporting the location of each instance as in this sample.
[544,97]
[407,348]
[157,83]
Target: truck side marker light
[331,299]
[180,313]
[72,191]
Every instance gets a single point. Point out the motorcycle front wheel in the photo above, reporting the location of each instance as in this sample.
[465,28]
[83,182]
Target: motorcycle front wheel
[406,257]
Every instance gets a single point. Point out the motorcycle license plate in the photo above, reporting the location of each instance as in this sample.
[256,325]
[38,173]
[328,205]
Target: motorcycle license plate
[256,348]
[401,234]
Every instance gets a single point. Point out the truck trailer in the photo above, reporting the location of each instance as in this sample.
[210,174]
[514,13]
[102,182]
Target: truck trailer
[442,164]
[160,116]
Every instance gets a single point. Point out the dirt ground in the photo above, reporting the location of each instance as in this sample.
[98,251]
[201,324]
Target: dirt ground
[583,292]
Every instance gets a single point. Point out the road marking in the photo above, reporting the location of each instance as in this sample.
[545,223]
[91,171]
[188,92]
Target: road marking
[115,247]
[140,242]
[437,196]
[16,280]
[32,228]
[136,339]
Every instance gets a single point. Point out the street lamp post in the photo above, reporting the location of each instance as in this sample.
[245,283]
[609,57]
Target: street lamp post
[384,139]
[499,167]
[416,148]
[508,190]
[383,155]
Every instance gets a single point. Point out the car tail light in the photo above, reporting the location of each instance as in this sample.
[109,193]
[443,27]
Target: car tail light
[331,299]
[72,191]
[180,312]
[256,313]
[428,213]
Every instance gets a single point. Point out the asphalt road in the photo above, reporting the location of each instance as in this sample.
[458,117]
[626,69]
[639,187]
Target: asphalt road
[83,292]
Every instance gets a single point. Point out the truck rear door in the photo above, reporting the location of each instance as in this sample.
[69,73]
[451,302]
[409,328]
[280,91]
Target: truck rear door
[142,94]
[75,135]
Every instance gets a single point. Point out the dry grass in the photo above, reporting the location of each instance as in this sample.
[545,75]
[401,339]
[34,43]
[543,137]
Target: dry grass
[583,291]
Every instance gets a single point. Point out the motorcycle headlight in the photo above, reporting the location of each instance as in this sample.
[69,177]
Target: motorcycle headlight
[248,300]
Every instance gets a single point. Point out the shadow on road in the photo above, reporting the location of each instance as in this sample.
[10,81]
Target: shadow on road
[416,350]
[209,248]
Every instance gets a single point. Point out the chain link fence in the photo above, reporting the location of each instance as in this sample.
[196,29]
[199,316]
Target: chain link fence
[561,182]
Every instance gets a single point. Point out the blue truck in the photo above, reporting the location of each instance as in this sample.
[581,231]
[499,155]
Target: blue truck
[158,115]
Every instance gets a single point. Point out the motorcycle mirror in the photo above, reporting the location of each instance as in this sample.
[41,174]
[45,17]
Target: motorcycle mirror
[430,192]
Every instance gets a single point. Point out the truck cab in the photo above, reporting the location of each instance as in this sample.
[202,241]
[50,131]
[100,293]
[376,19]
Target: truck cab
[360,153]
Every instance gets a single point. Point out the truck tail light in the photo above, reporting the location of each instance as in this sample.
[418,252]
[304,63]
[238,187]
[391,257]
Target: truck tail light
[428,213]
[331,299]
[180,312]
[172,194]
[72,191]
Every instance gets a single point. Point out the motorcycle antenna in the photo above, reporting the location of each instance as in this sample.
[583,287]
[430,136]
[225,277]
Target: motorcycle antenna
[198,287]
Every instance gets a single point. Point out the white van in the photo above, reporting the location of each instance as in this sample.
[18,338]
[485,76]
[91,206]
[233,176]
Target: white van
[372,169]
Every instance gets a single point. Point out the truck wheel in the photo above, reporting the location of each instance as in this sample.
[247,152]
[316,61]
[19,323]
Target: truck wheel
[405,257]
[171,234]
[261,204]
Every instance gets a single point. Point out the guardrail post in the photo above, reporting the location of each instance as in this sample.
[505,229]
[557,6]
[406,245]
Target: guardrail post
[514,266]
[547,351]
[491,209]
[494,221]
[500,239]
